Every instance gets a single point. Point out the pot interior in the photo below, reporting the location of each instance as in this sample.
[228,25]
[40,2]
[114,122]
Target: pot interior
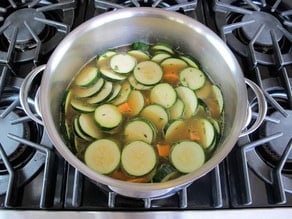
[124,27]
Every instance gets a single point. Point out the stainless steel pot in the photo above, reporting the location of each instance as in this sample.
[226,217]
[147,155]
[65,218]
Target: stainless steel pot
[124,27]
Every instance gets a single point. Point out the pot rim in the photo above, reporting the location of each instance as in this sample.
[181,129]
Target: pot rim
[129,186]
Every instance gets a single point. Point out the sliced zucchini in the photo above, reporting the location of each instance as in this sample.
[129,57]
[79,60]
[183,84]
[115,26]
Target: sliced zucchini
[136,102]
[103,156]
[116,91]
[192,77]
[177,110]
[68,96]
[175,131]
[204,130]
[148,73]
[123,94]
[218,97]
[165,173]
[81,105]
[140,129]
[187,156]
[122,63]
[190,61]
[110,75]
[102,95]
[139,55]
[173,65]
[160,56]
[89,126]
[163,94]
[163,47]
[156,114]
[87,76]
[138,158]
[79,132]
[136,85]
[104,57]
[108,116]
[189,99]
[88,91]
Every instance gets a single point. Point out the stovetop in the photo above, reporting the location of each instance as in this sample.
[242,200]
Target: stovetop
[257,173]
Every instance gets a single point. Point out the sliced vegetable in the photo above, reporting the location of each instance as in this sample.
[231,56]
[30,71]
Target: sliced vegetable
[88,91]
[187,156]
[192,77]
[115,92]
[136,102]
[156,114]
[67,98]
[122,63]
[108,116]
[189,99]
[81,105]
[138,158]
[163,149]
[160,56]
[103,156]
[139,55]
[104,57]
[175,131]
[165,173]
[136,85]
[79,132]
[148,73]
[218,97]
[123,94]
[163,47]
[87,77]
[110,75]
[189,60]
[163,94]
[177,110]
[89,126]
[140,129]
[102,95]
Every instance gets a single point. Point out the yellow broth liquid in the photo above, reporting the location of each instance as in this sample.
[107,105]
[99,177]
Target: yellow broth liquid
[207,109]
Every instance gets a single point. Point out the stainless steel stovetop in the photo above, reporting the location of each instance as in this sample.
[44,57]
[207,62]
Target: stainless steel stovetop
[256,178]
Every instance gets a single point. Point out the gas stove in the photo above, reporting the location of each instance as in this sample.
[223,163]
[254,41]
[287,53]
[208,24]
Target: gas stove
[256,175]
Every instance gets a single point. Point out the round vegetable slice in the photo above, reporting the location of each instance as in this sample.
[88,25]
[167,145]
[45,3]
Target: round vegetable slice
[138,158]
[165,172]
[189,99]
[89,126]
[140,129]
[187,156]
[122,63]
[87,76]
[192,77]
[108,116]
[148,73]
[163,94]
[103,156]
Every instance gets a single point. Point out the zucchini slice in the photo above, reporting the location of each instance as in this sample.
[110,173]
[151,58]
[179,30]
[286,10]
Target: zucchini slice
[165,173]
[187,156]
[102,95]
[103,156]
[140,129]
[79,132]
[190,61]
[108,116]
[160,56]
[163,94]
[89,126]
[138,158]
[189,99]
[173,65]
[116,91]
[68,96]
[123,94]
[192,77]
[148,73]
[136,102]
[163,47]
[81,105]
[218,97]
[177,110]
[110,75]
[136,85]
[104,57]
[175,131]
[87,76]
[156,114]
[122,63]
[139,55]
[88,91]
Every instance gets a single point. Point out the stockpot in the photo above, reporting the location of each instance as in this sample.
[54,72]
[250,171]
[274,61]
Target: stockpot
[123,27]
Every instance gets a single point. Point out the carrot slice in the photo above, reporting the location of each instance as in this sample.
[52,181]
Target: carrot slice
[163,149]
[124,107]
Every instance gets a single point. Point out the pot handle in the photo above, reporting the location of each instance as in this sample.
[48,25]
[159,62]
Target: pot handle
[262,108]
[23,94]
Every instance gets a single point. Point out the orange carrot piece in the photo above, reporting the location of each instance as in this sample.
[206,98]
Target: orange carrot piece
[171,78]
[163,149]
[194,135]
[124,107]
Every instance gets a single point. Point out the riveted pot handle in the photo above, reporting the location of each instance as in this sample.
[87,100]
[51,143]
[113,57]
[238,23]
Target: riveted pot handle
[262,108]
[24,90]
